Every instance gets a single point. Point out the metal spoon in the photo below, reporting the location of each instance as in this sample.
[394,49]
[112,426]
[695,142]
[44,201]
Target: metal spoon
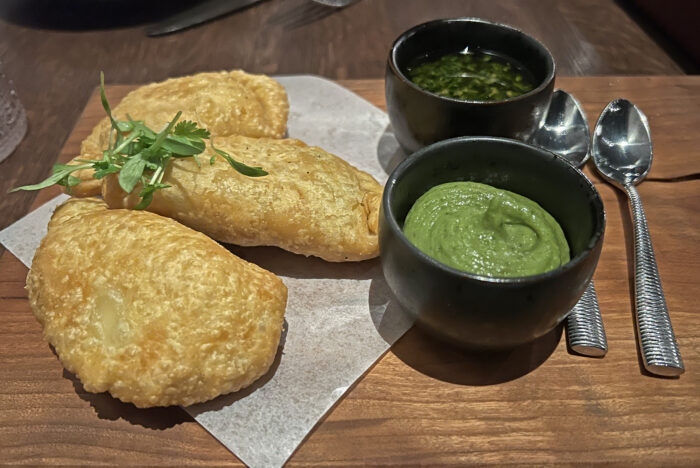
[336,3]
[622,153]
[565,132]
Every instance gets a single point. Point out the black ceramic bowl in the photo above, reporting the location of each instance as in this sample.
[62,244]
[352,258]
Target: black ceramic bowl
[420,118]
[480,311]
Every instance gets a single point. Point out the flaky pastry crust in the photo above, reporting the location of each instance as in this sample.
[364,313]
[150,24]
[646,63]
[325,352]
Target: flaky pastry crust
[225,103]
[149,310]
[311,202]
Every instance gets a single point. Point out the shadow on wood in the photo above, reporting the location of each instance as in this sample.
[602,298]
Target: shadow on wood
[434,358]
[110,408]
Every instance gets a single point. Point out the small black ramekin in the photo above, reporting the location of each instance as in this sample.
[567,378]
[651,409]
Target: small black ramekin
[480,311]
[420,117]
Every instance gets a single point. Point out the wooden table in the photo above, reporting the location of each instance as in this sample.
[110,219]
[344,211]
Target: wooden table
[423,402]
[53,50]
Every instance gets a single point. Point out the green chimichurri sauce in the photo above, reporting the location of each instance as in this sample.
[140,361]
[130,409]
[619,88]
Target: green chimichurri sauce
[484,230]
[472,76]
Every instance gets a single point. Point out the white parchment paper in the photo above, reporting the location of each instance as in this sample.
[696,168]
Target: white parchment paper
[339,317]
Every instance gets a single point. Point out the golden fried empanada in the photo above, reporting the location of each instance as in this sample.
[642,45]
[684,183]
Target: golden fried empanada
[225,103]
[149,310]
[310,203]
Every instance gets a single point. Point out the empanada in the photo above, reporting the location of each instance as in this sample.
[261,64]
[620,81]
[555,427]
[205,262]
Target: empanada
[310,203]
[149,310]
[225,103]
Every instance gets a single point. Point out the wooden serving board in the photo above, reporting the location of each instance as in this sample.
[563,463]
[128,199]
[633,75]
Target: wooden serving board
[424,402]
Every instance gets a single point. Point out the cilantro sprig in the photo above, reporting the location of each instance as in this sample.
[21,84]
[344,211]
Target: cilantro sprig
[140,155]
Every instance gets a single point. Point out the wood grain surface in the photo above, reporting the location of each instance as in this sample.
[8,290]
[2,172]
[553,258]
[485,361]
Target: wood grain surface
[424,402]
[53,50]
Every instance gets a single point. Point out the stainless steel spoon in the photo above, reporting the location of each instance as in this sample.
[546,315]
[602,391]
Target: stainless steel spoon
[565,132]
[622,153]
[336,3]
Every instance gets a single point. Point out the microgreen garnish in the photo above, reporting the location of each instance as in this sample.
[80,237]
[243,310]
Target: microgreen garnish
[141,155]
[240,167]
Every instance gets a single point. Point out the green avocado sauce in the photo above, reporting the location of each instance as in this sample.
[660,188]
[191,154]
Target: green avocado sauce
[487,231]
[472,76]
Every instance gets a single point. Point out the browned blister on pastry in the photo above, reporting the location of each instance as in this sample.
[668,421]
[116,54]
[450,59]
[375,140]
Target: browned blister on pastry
[149,310]
[225,103]
[310,203]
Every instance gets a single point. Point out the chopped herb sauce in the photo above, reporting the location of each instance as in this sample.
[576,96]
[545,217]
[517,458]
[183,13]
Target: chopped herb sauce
[472,76]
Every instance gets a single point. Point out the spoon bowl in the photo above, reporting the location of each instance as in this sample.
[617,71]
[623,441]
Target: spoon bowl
[622,144]
[565,129]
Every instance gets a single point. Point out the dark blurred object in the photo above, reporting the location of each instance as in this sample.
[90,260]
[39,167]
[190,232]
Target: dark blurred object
[88,14]
[13,118]
[676,19]
[200,13]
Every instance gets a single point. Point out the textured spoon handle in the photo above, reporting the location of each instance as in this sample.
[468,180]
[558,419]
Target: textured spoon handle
[659,348]
[584,326]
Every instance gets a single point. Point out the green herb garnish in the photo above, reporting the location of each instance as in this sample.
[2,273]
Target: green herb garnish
[141,155]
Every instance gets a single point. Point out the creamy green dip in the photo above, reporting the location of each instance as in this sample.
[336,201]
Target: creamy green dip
[484,230]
